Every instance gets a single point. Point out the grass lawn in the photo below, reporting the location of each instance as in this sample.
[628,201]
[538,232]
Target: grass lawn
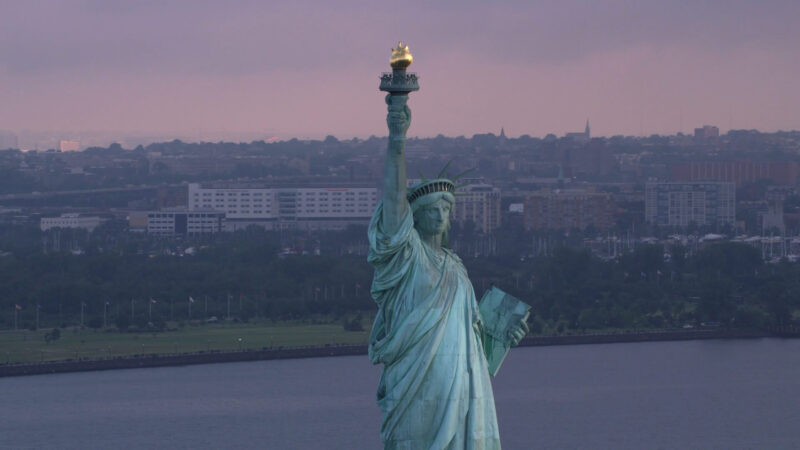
[29,346]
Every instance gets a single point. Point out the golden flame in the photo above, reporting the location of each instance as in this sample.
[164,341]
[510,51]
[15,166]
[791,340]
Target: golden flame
[401,57]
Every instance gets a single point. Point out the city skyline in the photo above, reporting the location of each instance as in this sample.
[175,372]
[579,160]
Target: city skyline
[309,69]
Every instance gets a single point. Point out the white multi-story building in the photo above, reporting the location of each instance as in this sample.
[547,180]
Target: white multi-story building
[70,220]
[295,207]
[699,202]
[169,222]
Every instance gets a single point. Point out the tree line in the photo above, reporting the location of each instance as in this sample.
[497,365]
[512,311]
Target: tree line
[251,275]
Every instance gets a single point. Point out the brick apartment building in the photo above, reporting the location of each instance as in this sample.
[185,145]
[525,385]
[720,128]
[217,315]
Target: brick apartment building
[738,172]
[567,209]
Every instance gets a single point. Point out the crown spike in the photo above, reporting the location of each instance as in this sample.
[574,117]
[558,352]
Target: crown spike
[455,178]
[444,169]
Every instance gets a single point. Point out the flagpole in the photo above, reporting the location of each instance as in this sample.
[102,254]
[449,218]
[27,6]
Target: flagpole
[15,317]
[190,308]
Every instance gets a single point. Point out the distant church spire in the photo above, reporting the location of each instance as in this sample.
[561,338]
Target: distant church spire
[502,133]
[588,134]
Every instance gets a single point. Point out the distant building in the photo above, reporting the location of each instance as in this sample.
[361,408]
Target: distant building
[680,204]
[137,221]
[69,146]
[71,220]
[706,132]
[567,209]
[171,222]
[772,219]
[418,151]
[290,207]
[479,204]
[593,159]
[784,173]
[580,136]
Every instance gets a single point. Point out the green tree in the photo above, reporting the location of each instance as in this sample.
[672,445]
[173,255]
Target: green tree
[52,335]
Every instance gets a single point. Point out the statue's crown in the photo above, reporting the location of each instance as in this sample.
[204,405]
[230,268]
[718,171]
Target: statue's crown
[438,184]
[431,187]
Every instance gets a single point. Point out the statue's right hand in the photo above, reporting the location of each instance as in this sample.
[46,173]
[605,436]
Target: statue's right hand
[399,117]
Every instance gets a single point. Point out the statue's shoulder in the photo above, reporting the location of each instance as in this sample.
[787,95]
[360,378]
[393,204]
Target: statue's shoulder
[452,254]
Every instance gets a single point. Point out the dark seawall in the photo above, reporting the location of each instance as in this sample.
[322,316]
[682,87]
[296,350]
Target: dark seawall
[140,361]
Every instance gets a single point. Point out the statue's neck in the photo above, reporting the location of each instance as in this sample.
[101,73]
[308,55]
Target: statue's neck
[433,241]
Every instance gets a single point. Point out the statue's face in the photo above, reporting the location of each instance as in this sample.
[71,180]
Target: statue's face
[433,219]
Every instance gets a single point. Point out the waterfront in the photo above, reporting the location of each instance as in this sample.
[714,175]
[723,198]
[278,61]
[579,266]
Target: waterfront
[726,394]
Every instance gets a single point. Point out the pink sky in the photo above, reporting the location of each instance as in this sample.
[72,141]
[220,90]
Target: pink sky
[309,69]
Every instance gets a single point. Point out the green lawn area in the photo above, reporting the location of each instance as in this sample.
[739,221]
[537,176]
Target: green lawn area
[29,346]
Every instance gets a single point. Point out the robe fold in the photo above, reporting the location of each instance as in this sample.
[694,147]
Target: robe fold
[435,391]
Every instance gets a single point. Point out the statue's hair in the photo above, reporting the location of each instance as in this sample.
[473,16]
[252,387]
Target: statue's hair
[428,199]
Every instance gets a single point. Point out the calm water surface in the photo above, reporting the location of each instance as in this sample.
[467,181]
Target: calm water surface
[736,394]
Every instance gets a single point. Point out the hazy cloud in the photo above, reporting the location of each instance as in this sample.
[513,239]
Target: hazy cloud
[183,55]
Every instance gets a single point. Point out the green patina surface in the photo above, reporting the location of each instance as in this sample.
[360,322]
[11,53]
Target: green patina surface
[435,392]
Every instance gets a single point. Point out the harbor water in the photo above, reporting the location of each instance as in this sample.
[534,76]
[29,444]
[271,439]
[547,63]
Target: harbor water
[715,394]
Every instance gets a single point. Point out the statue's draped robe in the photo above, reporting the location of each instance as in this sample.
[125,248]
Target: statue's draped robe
[435,391]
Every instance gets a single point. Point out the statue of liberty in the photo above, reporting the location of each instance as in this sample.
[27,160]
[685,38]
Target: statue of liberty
[435,392]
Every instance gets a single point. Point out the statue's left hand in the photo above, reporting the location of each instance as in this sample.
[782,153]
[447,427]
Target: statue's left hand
[520,331]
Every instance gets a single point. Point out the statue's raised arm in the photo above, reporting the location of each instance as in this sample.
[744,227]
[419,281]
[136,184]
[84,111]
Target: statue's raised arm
[394,189]
[398,84]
